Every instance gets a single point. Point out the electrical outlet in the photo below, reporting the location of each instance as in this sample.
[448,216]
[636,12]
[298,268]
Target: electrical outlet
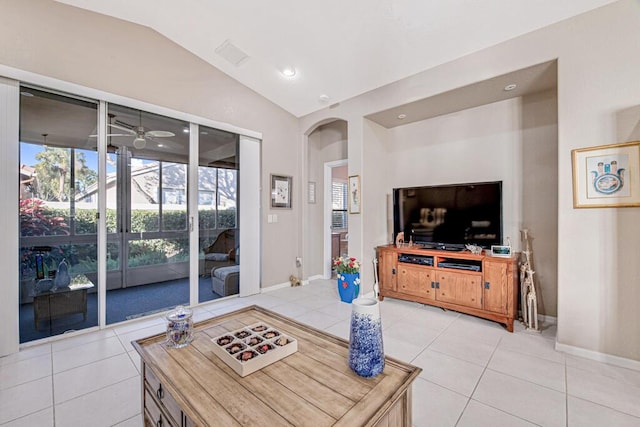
[298,261]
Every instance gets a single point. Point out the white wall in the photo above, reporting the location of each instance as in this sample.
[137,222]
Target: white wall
[598,292]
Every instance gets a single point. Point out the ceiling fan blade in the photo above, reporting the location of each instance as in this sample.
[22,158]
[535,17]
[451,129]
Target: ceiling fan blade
[159,134]
[111,134]
[122,128]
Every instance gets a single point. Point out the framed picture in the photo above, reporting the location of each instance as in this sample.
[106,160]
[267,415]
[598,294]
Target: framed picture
[355,196]
[311,192]
[606,176]
[281,191]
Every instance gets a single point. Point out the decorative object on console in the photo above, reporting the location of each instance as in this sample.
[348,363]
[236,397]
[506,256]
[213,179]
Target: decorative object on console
[400,239]
[474,249]
[348,271]
[528,296]
[366,351]
[501,251]
[62,278]
[605,176]
[179,327]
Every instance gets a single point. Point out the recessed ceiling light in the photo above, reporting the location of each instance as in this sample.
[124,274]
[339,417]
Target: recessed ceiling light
[160,145]
[289,72]
[25,93]
[202,132]
[324,98]
[402,116]
[185,130]
[511,86]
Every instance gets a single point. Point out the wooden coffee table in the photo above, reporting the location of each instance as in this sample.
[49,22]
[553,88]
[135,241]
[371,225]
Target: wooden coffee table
[191,386]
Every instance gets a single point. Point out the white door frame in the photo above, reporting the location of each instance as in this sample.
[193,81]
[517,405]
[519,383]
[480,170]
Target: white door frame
[326,208]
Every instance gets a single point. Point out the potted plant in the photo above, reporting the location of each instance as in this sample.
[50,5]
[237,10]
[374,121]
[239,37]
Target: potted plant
[348,271]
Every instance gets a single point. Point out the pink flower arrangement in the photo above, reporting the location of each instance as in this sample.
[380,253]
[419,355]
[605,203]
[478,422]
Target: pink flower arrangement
[346,265]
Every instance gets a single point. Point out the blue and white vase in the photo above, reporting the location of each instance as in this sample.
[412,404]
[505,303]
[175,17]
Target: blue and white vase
[348,286]
[366,353]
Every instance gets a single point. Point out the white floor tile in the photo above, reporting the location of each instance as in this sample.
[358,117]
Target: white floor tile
[401,349]
[473,351]
[317,319]
[290,309]
[435,406]
[455,374]
[42,418]
[80,340]
[533,345]
[523,399]
[468,327]
[88,353]
[582,413]
[477,414]
[73,383]
[26,353]
[627,376]
[96,409]
[534,369]
[135,421]
[605,390]
[137,334]
[340,329]
[411,333]
[24,399]
[21,372]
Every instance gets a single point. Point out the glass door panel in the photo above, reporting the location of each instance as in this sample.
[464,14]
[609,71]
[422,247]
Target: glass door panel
[148,240]
[58,214]
[218,214]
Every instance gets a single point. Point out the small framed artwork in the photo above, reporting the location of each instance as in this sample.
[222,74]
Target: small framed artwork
[281,191]
[312,192]
[355,196]
[501,251]
[606,176]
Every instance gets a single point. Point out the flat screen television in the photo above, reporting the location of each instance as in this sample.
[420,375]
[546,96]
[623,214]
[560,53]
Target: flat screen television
[449,216]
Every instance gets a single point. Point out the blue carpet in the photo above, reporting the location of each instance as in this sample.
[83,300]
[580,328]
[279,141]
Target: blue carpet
[122,304]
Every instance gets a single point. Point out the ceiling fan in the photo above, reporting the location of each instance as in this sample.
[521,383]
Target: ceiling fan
[140,133]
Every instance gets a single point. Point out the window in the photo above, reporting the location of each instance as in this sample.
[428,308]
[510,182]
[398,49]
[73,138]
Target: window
[338,204]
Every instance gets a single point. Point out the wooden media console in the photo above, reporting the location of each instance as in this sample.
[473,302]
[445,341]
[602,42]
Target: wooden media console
[479,285]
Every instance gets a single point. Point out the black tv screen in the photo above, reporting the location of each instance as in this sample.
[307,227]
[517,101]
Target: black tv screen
[449,216]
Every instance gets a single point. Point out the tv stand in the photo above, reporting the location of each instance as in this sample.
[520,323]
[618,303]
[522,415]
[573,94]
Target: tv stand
[479,285]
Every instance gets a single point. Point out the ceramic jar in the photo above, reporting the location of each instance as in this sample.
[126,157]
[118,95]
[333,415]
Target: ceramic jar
[179,327]
[366,352]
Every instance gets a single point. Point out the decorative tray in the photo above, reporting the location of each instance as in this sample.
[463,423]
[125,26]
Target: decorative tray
[253,347]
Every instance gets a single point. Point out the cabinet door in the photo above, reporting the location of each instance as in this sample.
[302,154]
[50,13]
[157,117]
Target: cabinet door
[388,268]
[496,287]
[415,280]
[458,288]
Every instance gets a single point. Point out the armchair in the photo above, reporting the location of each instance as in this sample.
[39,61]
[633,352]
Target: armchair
[222,252]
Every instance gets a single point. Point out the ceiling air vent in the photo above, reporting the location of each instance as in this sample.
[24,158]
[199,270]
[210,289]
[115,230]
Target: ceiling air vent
[232,53]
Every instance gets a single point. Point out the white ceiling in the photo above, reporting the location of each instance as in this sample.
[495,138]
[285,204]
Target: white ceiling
[339,48]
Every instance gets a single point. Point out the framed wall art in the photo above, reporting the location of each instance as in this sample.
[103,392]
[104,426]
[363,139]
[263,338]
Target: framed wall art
[355,196]
[281,191]
[606,176]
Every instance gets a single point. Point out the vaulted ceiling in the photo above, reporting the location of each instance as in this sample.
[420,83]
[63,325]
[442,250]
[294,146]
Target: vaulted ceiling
[339,49]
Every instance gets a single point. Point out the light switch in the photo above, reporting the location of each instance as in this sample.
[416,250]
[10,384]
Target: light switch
[275,218]
[269,219]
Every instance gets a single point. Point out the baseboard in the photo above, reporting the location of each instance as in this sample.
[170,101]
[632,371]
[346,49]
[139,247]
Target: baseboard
[542,318]
[599,357]
[275,287]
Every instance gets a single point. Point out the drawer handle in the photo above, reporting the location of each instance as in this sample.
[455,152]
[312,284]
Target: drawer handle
[160,393]
[159,423]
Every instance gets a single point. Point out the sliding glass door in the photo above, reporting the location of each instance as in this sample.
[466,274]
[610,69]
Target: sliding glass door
[148,224]
[58,214]
[148,229]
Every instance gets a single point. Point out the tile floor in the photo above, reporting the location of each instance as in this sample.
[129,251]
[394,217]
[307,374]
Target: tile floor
[474,372]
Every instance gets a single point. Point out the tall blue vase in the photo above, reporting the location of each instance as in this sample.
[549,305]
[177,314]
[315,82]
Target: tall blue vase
[366,352]
[348,286]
